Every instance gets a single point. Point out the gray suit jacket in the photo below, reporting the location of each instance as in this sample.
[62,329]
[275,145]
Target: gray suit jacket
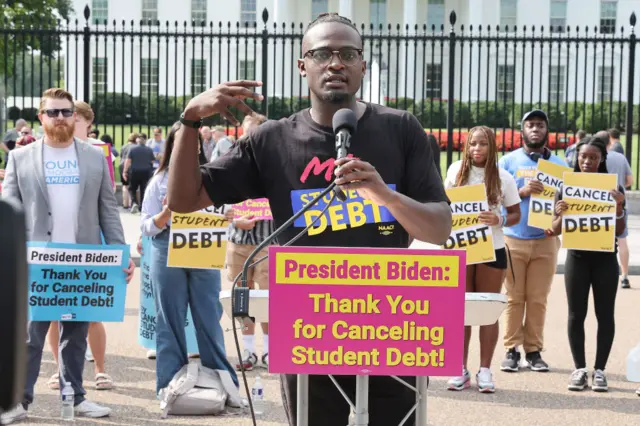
[98,211]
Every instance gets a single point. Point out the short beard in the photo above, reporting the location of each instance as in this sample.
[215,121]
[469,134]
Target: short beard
[59,134]
[534,145]
[336,97]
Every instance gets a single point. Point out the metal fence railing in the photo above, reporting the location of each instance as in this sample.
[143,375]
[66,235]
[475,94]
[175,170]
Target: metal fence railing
[141,75]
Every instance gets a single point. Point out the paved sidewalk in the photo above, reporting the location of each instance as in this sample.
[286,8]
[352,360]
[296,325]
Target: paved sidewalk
[525,397]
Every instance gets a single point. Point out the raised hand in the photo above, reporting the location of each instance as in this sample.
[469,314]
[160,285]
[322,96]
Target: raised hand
[218,99]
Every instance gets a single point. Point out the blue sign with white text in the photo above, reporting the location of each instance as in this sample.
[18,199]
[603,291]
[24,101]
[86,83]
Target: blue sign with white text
[77,282]
[147,316]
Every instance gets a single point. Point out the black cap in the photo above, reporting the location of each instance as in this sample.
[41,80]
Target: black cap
[535,113]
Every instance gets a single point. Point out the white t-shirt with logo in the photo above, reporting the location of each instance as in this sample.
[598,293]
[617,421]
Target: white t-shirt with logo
[509,196]
[62,175]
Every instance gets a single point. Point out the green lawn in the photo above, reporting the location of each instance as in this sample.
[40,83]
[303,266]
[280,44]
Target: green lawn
[119,133]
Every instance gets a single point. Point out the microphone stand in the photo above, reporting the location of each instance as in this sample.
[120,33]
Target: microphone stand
[240,297]
[245,269]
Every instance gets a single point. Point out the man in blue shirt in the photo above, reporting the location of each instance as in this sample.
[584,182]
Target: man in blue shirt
[533,252]
[570,152]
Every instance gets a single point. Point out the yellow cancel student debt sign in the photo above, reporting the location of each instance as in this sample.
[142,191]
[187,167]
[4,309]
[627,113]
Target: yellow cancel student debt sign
[590,222]
[541,205]
[198,239]
[467,233]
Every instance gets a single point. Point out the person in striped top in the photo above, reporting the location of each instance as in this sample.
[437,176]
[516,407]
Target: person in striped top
[245,233]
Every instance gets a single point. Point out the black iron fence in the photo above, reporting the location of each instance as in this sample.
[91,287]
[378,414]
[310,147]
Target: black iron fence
[141,75]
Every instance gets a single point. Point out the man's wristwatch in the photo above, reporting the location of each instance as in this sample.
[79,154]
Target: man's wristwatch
[190,123]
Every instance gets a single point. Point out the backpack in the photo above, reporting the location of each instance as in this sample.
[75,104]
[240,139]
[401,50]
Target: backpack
[199,391]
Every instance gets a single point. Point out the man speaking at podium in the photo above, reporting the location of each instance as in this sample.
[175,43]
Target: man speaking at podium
[394,193]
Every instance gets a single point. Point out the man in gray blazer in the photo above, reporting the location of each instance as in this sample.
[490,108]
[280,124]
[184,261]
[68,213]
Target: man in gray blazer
[66,192]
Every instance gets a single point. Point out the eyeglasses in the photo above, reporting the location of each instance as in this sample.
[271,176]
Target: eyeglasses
[347,55]
[53,113]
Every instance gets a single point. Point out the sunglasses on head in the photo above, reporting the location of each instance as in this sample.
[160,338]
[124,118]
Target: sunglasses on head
[53,113]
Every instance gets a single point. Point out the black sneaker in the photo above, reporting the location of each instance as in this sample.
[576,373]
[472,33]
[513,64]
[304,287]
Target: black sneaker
[535,362]
[599,382]
[511,361]
[625,283]
[578,380]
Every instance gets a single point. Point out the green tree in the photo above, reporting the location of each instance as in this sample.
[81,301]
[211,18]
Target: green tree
[32,22]
[34,74]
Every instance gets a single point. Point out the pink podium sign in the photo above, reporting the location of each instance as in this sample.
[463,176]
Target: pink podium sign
[365,311]
[258,208]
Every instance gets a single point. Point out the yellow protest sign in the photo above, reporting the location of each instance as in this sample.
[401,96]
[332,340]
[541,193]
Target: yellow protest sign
[541,205]
[467,233]
[198,239]
[590,222]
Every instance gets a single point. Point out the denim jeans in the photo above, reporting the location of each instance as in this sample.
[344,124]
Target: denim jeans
[175,289]
[73,346]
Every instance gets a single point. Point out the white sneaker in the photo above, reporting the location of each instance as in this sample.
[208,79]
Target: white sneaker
[485,381]
[151,354]
[88,356]
[91,409]
[17,413]
[459,383]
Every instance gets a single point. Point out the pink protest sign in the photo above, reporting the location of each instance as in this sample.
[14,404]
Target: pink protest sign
[366,311]
[258,208]
[106,148]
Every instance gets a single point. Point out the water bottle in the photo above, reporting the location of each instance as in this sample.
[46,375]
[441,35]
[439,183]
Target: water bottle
[68,397]
[633,365]
[257,396]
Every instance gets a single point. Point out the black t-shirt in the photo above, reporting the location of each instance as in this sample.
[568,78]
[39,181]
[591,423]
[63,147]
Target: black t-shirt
[142,158]
[290,160]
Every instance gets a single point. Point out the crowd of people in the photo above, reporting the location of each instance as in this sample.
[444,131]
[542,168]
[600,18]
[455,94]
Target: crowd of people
[529,263]
[196,167]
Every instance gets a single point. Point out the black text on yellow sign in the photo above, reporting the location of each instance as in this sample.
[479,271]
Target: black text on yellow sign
[197,240]
[589,223]
[467,232]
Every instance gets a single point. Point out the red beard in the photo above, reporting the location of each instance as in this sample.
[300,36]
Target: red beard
[59,133]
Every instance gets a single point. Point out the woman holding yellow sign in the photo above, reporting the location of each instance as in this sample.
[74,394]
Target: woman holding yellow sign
[175,289]
[479,166]
[590,268]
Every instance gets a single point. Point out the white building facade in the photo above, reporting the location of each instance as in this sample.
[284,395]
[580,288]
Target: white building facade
[187,58]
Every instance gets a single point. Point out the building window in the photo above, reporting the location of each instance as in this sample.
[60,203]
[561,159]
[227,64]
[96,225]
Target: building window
[508,14]
[247,70]
[558,18]
[150,12]
[198,76]
[435,14]
[199,12]
[99,11]
[605,84]
[148,77]
[248,12]
[434,81]
[378,13]
[556,84]
[318,7]
[608,14]
[506,82]
[99,76]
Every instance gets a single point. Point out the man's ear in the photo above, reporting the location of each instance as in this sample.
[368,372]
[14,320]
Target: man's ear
[364,68]
[302,67]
